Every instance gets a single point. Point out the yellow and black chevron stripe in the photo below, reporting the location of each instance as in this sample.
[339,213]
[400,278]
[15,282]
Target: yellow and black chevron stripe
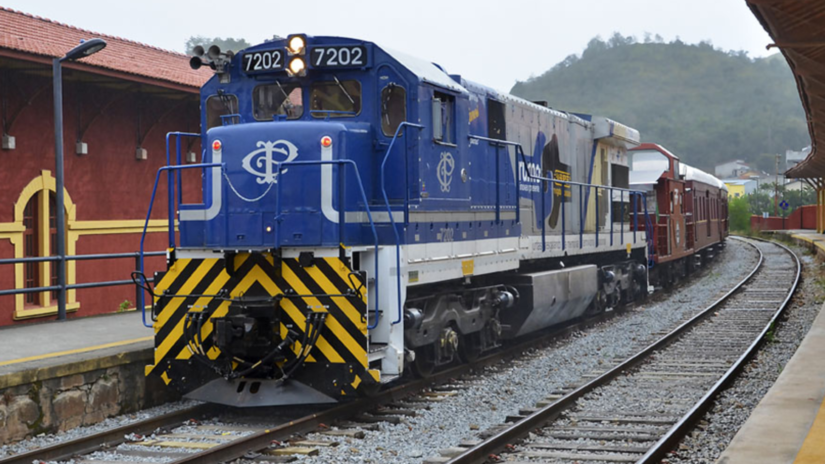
[190,285]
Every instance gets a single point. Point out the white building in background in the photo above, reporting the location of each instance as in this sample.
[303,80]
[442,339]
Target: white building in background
[797,185]
[792,158]
[731,169]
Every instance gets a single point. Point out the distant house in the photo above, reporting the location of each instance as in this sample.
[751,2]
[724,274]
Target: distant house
[792,158]
[731,169]
[740,187]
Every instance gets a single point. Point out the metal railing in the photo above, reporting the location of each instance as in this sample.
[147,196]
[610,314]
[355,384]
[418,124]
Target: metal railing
[403,125]
[633,197]
[171,194]
[108,283]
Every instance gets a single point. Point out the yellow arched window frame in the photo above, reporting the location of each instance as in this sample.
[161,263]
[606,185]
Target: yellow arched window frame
[41,187]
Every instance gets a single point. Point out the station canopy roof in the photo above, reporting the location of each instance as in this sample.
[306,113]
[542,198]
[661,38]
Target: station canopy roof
[34,38]
[797,28]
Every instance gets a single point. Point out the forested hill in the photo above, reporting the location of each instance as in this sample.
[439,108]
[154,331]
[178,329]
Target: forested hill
[704,104]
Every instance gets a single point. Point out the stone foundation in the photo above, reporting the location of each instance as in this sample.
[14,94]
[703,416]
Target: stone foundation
[52,399]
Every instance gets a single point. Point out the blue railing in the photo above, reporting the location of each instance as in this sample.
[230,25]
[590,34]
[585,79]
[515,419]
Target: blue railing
[170,180]
[633,194]
[171,213]
[403,125]
[341,211]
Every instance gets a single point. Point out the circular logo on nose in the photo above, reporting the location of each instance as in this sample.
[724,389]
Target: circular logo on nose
[263,162]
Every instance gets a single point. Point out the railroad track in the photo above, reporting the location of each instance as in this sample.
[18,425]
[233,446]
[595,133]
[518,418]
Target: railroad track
[194,435]
[640,409]
[160,437]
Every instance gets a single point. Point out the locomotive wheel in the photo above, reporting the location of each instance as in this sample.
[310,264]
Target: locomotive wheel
[424,363]
[469,347]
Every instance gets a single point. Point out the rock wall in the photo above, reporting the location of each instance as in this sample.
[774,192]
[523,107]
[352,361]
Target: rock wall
[63,402]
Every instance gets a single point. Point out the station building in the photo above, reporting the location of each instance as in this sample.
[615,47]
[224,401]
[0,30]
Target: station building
[797,31]
[118,106]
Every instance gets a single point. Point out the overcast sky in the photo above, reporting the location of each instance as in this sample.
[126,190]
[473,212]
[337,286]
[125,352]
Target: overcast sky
[493,42]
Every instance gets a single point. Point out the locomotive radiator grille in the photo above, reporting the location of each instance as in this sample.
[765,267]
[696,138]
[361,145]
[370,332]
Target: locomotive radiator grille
[193,285]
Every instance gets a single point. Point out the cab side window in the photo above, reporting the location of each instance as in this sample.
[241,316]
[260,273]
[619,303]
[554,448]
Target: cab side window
[393,108]
[443,118]
[220,105]
[496,128]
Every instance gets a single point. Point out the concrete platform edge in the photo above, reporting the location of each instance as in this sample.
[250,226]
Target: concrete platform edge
[39,374]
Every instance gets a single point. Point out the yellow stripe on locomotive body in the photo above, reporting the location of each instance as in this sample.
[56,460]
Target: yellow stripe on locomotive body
[195,293]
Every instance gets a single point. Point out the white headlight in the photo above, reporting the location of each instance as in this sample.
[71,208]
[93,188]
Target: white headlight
[297,66]
[296,45]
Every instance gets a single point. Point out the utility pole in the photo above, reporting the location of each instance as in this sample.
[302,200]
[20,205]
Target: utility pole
[776,188]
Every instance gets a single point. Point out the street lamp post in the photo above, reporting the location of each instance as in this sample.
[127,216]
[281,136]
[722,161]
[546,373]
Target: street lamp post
[83,50]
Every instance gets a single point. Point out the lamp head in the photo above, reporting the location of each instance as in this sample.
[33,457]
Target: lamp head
[86,48]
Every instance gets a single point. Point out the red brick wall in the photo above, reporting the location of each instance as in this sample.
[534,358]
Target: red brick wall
[105,185]
[803,217]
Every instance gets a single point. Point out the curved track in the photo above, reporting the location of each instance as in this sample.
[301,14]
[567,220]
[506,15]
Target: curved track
[261,438]
[640,409]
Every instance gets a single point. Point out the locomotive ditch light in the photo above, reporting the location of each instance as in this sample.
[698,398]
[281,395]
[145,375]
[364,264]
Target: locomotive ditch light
[296,45]
[297,67]
[326,141]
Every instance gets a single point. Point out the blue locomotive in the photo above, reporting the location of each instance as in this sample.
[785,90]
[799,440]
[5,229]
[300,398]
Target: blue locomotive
[366,214]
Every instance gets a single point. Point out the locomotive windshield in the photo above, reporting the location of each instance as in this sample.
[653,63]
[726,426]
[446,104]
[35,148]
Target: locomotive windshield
[648,160]
[277,99]
[335,98]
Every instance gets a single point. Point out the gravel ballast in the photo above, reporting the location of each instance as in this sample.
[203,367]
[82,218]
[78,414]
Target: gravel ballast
[44,440]
[503,389]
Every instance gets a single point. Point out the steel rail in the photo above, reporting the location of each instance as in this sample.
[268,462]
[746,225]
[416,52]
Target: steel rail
[522,428]
[239,448]
[689,420]
[108,438]
[113,437]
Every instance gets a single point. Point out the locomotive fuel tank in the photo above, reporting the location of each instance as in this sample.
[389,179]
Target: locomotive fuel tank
[548,298]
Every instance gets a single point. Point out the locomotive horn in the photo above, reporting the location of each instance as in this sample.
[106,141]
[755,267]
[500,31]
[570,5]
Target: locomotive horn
[214,52]
[198,51]
[195,62]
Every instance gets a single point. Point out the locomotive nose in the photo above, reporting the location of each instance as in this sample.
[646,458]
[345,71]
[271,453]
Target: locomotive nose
[277,177]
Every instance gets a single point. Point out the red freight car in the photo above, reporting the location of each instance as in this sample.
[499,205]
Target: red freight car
[690,210]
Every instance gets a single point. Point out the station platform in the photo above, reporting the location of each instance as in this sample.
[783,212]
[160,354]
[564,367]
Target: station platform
[77,342]
[788,425]
[805,237]
[56,376]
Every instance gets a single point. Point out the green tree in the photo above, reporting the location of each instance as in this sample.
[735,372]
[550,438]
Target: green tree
[739,214]
[704,104]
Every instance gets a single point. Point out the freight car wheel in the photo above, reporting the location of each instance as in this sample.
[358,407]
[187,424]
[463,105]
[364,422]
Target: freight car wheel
[469,347]
[424,363]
